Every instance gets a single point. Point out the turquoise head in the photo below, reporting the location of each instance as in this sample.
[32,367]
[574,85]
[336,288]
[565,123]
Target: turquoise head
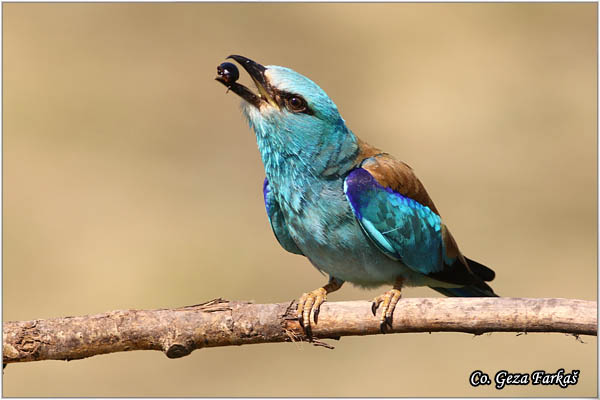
[299,129]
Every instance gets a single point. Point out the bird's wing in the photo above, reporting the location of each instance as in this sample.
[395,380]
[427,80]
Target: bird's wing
[277,221]
[396,213]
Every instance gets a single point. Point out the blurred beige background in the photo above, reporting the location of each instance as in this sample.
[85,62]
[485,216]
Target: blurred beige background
[132,181]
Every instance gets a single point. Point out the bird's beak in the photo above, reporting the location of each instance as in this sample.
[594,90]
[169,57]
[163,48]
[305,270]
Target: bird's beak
[257,73]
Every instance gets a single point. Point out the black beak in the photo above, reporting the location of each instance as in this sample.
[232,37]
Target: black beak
[257,73]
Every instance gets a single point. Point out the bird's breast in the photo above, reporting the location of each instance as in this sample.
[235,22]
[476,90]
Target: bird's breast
[324,227]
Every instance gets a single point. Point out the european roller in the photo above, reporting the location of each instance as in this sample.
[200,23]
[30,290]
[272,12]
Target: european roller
[357,213]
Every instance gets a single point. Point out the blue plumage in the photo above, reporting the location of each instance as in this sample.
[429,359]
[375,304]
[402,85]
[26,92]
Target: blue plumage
[355,212]
[401,227]
[277,221]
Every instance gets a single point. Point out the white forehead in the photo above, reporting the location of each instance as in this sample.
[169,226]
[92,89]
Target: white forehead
[291,81]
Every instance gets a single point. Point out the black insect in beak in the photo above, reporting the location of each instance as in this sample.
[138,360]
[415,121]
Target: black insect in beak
[228,74]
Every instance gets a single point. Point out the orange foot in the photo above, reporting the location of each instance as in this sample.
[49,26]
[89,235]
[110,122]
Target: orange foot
[310,303]
[388,302]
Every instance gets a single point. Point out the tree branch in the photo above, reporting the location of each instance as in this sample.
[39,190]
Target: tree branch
[177,332]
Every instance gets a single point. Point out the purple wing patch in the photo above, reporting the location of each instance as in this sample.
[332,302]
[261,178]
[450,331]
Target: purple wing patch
[266,191]
[357,182]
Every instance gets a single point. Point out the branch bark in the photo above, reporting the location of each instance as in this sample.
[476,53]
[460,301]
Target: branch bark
[177,332]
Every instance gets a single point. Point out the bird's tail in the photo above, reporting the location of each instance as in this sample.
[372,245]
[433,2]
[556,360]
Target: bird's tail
[482,290]
[483,272]
[477,289]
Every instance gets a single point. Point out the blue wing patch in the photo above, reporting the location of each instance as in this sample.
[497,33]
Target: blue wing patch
[401,227]
[277,221]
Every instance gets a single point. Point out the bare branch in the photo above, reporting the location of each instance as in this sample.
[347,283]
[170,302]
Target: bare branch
[177,332]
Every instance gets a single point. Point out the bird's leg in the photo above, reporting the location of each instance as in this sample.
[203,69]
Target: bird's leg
[311,302]
[388,302]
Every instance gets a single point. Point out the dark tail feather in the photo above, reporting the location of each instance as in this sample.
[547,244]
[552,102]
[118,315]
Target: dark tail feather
[481,270]
[478,290]
[474,281]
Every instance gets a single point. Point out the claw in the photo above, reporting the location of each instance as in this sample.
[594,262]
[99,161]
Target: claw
[310,303]
[375,305]
[316,308]
[308,331]
[387,324]
[388,302]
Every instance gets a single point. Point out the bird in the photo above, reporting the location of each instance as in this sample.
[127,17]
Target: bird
[357,213]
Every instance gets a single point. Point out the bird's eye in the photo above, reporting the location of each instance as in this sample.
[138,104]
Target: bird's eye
[296,104]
